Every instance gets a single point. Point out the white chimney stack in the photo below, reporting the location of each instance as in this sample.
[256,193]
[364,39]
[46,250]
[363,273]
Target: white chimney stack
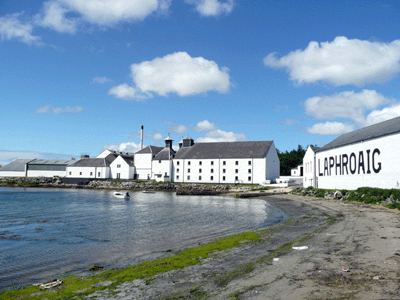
[141,139]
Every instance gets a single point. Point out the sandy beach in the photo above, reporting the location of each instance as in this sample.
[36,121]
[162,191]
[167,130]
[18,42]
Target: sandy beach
[353,252]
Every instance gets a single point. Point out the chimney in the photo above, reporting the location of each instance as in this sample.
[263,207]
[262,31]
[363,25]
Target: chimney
[141,139]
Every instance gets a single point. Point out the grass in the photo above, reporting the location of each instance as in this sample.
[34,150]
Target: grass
[76,287]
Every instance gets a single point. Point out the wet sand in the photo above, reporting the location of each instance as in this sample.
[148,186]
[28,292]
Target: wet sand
[338,234]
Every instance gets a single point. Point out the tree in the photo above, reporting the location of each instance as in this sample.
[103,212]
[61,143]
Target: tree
[290,160]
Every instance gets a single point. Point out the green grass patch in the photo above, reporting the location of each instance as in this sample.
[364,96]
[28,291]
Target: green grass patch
[76,287]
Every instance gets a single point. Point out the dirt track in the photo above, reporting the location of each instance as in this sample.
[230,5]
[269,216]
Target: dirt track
[339,234]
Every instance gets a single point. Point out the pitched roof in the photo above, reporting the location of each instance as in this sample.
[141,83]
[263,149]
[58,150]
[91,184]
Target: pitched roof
[165,154]
[250,149]
[367,133]
[51,162]
[17,165]
[94,162]
[150,149]
[129,160]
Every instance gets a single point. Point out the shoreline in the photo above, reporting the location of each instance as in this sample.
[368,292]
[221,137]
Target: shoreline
[338,234]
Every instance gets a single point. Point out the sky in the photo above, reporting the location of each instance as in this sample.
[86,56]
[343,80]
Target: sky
[78,77]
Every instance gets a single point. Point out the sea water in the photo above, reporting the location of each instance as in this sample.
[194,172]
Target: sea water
[45,233]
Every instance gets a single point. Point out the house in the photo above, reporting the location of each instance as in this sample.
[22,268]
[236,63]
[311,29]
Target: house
[297,172]
[143,161]
[162,162]
[91,168]
[249,162]
[367,157]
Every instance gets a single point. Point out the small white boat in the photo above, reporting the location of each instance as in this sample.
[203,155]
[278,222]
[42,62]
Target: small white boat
[122,195]
[148,192]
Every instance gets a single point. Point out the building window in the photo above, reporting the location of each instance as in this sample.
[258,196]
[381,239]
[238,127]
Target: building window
[199,170]
[80,173]
[177,177]
[177,170]
[249,162]
[237,162]
[91,173]
[212,162]
[212,178]
[70,173]
[188,170]
[188,178]
[249,171]
[199,177]
[236,171]
[236,178]
[118,175]
[188,163]
[212,170]
[99,174]
[118,166]
[199,163]
[249,178]
[159,161]
[177,163]
[224,163]
[223,178]
[223,170]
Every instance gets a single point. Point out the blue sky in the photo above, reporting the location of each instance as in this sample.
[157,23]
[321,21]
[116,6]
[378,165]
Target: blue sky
[81,76]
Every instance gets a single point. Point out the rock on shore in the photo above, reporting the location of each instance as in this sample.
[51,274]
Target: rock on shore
[198,189]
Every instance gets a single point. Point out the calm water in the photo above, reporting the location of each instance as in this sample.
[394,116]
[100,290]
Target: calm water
[47,232]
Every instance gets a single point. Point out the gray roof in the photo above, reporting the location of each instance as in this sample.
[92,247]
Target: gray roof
[17,165]
[256,149]
[51,162]
[121,153]
[129,160]
[150,149]
[367,133]
[94,162]
[165,154]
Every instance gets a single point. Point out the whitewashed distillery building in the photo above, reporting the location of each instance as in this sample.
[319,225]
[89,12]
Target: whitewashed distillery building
[367,157]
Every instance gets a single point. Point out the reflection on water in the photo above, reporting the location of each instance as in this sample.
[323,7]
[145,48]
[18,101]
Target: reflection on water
[47,232]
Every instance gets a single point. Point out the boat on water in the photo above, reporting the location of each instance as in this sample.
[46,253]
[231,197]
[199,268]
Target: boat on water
[122,195]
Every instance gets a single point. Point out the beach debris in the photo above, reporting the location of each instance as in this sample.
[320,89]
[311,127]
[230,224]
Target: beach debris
[346,269]
[300,248]
[96,268]
[275,259]
[377,277]
[49,284]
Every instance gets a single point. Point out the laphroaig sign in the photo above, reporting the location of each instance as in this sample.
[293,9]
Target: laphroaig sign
[363,162]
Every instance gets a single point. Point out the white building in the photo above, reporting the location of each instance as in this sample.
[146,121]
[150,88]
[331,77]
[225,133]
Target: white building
[366,157]
[143,161]
[162,163]
[35,168]
[225,162]
[297,172]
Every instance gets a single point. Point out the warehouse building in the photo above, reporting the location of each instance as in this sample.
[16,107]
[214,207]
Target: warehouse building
[35,168]
[367,157]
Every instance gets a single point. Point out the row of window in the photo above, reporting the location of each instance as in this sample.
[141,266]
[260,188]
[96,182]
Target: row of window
[212,178]
[212,163]
[91,174]
[212,170]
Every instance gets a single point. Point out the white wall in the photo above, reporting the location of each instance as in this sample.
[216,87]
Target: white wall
[375,163]
[161,167]
[125,170]
[272,164]
[46,173]
[309,168]
[88,172]
[143,165]
[12,174]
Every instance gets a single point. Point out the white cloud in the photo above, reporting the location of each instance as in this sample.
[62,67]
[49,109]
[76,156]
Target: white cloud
[348,105]
[157,136]
[101,12]
[101,79]
[124,91]
[12,28]
[330,128]
[340,62]
[205,126]
[221,136]
[54,17]
[211,8]
[124,147]
[47,109]
[289,122]
[387,113]
[179,129]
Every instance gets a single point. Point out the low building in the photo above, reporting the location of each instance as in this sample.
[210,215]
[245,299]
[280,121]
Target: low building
[143,161]
[297,172]
[16,168]
[366,157]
